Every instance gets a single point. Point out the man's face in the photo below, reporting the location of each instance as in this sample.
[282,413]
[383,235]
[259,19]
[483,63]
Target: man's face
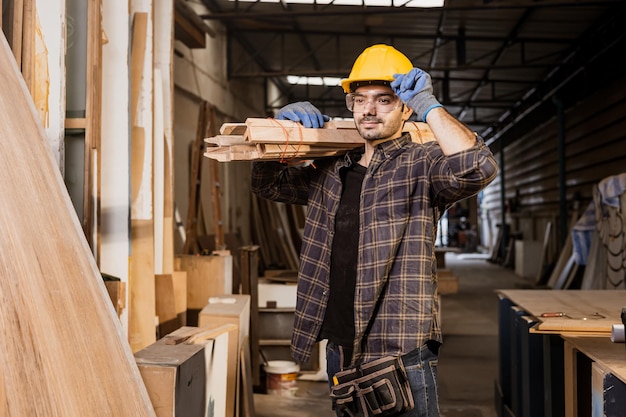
[378,112]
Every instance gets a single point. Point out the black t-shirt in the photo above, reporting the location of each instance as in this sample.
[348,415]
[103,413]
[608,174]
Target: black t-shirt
[338,325]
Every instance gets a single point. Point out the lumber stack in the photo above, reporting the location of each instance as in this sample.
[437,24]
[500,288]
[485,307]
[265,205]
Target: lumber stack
[283,140]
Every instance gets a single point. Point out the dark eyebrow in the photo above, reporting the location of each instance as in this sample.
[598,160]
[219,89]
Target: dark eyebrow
[374,95]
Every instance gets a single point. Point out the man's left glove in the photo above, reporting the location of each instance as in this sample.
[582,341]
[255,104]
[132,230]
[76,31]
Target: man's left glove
[302,112]
[416,90]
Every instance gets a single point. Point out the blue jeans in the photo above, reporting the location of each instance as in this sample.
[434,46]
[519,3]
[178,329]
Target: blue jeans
[421,367]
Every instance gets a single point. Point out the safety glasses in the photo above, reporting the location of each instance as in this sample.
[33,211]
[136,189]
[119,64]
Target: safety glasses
[384,101]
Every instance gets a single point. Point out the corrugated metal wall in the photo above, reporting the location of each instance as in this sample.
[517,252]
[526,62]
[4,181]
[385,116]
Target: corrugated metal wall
[538,189]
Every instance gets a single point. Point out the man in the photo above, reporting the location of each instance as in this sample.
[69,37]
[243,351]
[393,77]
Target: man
[367,277]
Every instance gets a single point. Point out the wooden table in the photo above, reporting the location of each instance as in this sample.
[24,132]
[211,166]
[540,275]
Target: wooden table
[595,376]
[532,348]
[573,303]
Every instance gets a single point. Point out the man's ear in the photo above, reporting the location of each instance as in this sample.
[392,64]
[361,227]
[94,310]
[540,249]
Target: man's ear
[406,112]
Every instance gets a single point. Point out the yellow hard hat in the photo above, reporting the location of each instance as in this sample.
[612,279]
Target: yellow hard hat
[376,63]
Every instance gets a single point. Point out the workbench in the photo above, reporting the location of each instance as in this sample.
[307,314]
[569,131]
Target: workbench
[531,380]
[595,377]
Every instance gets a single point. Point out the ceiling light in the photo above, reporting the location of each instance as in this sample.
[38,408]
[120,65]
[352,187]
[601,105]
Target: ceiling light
[381,3]
[325,81]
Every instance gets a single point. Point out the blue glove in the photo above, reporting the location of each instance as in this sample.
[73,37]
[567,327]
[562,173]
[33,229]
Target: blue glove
[416,90]
[302,112]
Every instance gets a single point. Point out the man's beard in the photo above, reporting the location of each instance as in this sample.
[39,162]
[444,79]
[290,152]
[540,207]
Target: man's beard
[370,134]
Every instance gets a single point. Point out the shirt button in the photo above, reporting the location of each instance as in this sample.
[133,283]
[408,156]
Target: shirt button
[325,292]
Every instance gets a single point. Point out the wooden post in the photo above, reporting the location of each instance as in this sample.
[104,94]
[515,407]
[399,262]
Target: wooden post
[191,229]
[142,280]
[249,285]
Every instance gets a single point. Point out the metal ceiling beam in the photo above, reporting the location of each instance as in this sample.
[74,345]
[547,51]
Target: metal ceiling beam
[444,37]
[342,72]
[499,52]
[593,60]
[334,10]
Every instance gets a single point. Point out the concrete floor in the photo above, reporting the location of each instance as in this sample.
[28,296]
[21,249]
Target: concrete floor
[468,360]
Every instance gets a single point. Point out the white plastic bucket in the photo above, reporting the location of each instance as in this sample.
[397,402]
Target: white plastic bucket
[282,378]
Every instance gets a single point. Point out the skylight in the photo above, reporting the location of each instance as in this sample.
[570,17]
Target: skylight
[385,3]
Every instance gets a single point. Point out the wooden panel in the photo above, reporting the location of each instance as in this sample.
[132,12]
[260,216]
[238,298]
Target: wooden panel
[207,276]
[576,304]
[230,310]
[166,304]
[56,316]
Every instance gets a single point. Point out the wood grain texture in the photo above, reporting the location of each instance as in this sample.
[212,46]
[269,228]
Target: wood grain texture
[573,303]
[63,351]
[284,140]
[602,351]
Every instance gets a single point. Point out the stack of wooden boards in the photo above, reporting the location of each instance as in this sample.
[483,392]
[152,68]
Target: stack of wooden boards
[203,371]
[283,140]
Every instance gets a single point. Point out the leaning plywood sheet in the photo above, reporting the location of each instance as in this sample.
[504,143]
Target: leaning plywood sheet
[62,352]
[283,140]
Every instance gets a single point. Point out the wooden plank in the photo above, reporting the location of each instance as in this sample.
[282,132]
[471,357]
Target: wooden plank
[570,378]
[17,30]
[249,262]
[283,140]
[166,304]
[141,323]
[191,227]
[295,133]
[164,120]
[179,281]
[225,140]
[29,30]
[216,192]
[223,311]
[544,254]
[52,336]
[247,383]
[93,132]
[117,293]
[158,172]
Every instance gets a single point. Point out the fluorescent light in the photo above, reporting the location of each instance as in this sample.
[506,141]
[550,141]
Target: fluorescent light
[371,3]
[326,81]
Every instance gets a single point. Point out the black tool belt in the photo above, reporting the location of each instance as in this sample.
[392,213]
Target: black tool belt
[379,388]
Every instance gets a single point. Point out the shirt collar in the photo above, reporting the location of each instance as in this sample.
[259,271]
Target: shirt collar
[390,147]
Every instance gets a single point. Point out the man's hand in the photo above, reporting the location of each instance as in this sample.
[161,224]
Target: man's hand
[416,90]
[302,112]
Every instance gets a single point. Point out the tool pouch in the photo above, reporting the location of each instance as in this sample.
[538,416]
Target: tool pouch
[379,388]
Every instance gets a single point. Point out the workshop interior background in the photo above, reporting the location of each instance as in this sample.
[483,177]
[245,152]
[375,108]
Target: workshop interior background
[125,92]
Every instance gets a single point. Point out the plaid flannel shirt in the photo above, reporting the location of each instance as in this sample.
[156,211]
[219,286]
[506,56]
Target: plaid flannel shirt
[406,188]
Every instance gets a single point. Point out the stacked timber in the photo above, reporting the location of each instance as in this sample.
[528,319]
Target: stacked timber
[284,140]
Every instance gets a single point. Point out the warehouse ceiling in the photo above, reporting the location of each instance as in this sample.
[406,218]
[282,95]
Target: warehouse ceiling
[500,66]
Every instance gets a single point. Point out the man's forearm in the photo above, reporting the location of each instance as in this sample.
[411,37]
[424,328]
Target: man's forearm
[452,135]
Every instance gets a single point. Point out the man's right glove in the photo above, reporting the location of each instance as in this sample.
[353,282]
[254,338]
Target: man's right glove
[302,112]
[416,90]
